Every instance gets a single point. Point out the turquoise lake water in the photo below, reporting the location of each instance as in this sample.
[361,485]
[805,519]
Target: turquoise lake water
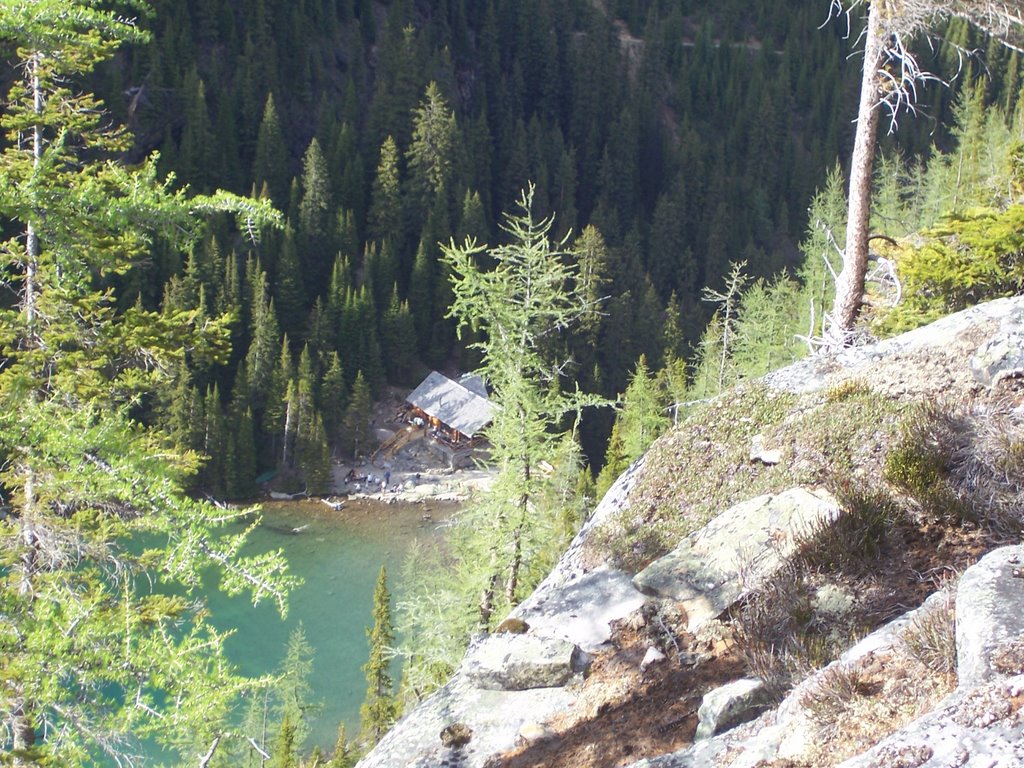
[339,556]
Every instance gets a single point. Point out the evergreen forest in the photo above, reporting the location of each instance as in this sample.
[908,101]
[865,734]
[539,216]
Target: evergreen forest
[668,139]
[315,200]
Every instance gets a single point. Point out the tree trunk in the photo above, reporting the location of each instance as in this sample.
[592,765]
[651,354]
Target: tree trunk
[23,732]
[517,561]
[32,248]
[850,283]
[487,597]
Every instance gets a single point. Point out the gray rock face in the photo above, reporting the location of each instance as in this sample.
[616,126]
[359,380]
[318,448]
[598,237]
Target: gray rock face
[812,372]
[979,728]
[519,662]
[582,609]
[730,705]
[1002,356]
[495,718]
[989,612]
[736,552]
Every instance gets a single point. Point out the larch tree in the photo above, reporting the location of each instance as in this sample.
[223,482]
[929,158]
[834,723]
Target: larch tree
[103,643]
[889,76]
[531,294]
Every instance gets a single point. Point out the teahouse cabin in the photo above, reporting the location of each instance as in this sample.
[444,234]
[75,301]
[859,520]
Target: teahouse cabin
[455,413]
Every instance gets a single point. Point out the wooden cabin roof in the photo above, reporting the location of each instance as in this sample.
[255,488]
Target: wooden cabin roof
[452,404]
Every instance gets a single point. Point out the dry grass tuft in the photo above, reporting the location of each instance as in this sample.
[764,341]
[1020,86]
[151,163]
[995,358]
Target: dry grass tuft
[857,538]
[833,695]
[930,638]
[963,465]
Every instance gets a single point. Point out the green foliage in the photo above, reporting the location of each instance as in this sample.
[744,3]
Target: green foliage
[919,463]
[715,368]
[270,167]
[380,709]
[856,539]
[514,300]
[642,418]
[98,531]
[285,746]
[968,258]
[344,755]
[357,416]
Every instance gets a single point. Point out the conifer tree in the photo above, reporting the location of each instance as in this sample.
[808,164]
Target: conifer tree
[278,399]
[357,415]
[531,294]
[293,689]
[431,153]
[717,367]
[285,746]
[288,286]
[315,206]
[643,416]
[270,166]
[262,355]
[385,201]
[333,399]
[615,462]
[398,340]
[380,709]
[343,756]
[85,482]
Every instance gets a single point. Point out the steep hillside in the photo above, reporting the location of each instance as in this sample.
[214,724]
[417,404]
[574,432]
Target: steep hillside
[910,452]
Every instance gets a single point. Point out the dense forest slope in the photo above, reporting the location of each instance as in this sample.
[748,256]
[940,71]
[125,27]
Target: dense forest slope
[669,140]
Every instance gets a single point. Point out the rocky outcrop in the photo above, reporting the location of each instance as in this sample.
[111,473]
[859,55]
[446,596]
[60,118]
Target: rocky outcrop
[980,724]
[729,705]
[989,613]
[508,662]
[1002,356]
[737,552]
[509,684]
[571,612]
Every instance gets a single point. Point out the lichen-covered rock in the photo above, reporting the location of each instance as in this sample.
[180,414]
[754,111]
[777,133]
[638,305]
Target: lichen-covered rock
[519,662]
[738,551]
[495,718]
[977,728]
[989,612]
[730,705]
[582,609]
[1002,356]
[456,735]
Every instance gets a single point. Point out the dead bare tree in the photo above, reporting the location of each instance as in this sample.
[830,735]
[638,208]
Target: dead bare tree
[889,80]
